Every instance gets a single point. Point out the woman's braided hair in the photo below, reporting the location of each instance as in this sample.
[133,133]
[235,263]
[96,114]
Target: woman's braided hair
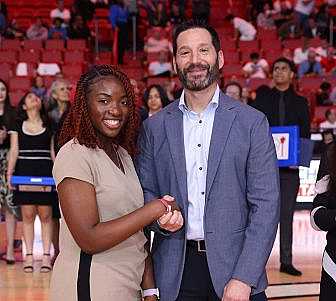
[77,123]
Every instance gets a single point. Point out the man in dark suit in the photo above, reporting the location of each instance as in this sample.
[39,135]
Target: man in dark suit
[283,107]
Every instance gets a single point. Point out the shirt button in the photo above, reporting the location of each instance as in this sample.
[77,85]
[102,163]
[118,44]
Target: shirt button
[202,193]
[200,168]
[199,145]
[200,121]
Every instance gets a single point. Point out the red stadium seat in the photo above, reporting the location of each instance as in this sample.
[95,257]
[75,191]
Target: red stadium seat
[232,70]
[29,56]
[293,44]
[5,71]
[76,45]
[9,57]
[33,44]
[52,56]
[20,83]
[231,57]
[54,45]
[310,83]
[72,71]
[73,57]
[257,82]
[15,97]
[249,46]
[11,45]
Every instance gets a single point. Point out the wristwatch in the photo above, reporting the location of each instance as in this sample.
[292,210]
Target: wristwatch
[151,292]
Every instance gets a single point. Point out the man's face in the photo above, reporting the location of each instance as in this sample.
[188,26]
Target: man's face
[196,61]
[332,117]
[282,74]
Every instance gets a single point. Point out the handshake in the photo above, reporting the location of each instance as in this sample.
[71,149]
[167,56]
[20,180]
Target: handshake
[172,220]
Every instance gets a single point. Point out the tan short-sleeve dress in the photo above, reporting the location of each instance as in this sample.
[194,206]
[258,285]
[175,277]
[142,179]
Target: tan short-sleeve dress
[115,274]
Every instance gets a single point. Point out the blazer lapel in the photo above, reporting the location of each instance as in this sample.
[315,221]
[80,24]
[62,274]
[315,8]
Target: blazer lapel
[224,118]
[174,130]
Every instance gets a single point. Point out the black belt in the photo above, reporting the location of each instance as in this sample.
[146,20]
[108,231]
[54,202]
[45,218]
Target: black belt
[197,244]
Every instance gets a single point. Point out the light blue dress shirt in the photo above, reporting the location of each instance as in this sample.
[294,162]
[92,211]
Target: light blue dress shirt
[197,129]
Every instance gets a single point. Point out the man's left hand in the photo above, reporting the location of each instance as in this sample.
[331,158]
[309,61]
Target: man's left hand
[236,290]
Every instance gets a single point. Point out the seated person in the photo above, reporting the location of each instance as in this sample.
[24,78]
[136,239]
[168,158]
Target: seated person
[323,95]
[301,53]
[234,90]
[244,30]
[78,29]
[329,63]
[37,31]
[265,18]
[13,31]
[157,42]
[282,12]
[57,31]
[310,67]
[162,67]
[321,146]
[256,68]
[60,12]
[330,122]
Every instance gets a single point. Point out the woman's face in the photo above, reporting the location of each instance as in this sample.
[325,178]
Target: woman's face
[61,92]
[39,82]
[154,100]
[3,92]
[108,106]
[32,102]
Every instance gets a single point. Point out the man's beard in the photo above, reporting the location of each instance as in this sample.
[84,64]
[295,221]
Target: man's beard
[199,83]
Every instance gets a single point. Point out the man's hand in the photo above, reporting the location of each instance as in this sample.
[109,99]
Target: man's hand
[236,290]
[171,221]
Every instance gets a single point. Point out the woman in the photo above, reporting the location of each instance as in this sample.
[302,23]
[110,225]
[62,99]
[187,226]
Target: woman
[32,154]
[39,88]
[323,218]
[102,244]
[7,118]
[155,98]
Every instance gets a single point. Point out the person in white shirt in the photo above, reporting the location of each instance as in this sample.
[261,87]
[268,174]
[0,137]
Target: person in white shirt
[60,12]
[244,30]
[160,67]
[301,53]
[330,122]
[257,67]
[158,43]
[303,9]
[281,5]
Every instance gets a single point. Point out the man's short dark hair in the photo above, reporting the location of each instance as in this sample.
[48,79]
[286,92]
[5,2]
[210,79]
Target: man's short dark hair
[236,84]
[327,113]
[286,61]
[195,24]
[229,17]
[254,56]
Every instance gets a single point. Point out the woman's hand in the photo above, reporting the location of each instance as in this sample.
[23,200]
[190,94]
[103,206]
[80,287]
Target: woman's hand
[171,221]
[9,178]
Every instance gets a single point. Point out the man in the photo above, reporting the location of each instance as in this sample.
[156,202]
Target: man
[283,107]
[244,30]
[310,67]
[216,157]
[330,122]
[303,9]
[256,67]
[60,12]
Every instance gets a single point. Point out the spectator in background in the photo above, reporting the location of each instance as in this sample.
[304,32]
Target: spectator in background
[119,18]
[321,50]
[160,17]
[301,53]
[157,42]
[176,16]
[3,9]
[246,96]
[265,18]
[329,63]
[85,8]
[60,12]
[78,29]
[256,68]
[322,21]
[287,53]
[37,31]
[244,31]
[302,10]
[162,67]
[323,94]
[39,88]
[13,31]
[330,122]
[311,66]
[282,12]
[327,137]
[154,99]
[170,87]
[57,31]
[234,90]
[201,10]
[100,3]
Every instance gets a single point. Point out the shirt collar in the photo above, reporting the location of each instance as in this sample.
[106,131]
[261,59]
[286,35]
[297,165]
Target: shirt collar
[214,101]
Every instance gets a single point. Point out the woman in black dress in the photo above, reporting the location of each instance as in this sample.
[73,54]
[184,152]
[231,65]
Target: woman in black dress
[323,218]
[33,155]
[7,118]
